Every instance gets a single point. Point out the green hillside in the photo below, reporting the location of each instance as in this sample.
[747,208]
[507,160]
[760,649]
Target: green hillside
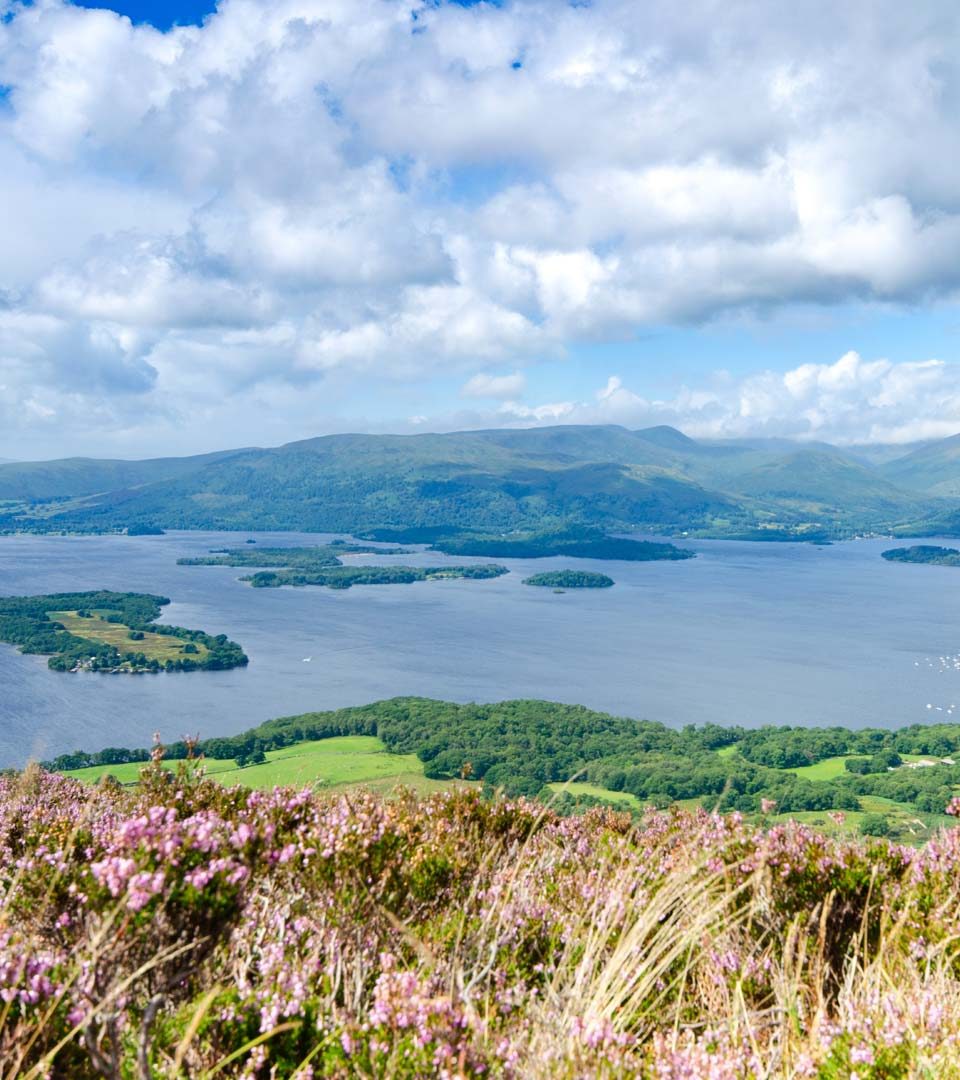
[72,477]
[934,469]
[497,481]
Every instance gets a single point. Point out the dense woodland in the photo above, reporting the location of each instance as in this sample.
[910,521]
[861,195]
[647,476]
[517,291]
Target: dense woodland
[522,746]
[25,621]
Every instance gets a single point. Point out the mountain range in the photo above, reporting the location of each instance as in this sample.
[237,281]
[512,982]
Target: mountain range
[503,480]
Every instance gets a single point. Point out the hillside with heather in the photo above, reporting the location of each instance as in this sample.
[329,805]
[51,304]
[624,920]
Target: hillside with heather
[185,929]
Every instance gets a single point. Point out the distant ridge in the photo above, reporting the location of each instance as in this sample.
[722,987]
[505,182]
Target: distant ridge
[502,480]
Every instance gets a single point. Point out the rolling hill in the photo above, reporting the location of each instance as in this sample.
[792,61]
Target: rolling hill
[934,468]
[71,477]
[499,481]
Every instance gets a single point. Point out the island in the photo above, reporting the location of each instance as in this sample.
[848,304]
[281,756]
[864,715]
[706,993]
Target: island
[570,579]
[924,553]
[322,565]
[317,557]
[144,530]
[575,543]
[110,632]
[343,577]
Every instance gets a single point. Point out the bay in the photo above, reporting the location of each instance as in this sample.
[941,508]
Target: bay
[744,634]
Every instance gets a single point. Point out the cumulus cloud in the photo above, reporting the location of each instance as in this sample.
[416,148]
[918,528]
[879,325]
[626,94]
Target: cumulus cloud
[309,196]
[483,385]
[849,401]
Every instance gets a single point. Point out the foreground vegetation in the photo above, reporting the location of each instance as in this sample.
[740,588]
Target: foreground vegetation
[322,565]
[895,782]
[111,632]
[181,928]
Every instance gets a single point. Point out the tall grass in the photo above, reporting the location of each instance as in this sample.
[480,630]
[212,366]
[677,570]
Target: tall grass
[185,930]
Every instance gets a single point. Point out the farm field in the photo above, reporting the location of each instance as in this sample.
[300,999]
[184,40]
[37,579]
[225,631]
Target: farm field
[160,647]
[624,798]
[341,761]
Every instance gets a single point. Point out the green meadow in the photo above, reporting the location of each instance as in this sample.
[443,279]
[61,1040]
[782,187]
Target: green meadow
[337,762]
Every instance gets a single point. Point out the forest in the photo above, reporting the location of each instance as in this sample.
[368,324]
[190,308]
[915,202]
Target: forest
[521,747]
[101,627]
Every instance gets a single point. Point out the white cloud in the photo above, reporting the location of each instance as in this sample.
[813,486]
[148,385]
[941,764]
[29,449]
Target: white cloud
[483,385]
[309,192]
[849,401]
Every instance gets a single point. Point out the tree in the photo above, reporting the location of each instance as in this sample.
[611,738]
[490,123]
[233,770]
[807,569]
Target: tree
[875,825]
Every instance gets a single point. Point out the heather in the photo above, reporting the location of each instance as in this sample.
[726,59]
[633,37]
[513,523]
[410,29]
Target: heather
[186,929]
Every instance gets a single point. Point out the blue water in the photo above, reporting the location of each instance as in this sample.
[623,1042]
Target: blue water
[745,634]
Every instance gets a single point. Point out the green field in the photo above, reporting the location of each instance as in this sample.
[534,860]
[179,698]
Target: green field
[832,767]
[336,762]
[827,769]
[628,801]
[160,647]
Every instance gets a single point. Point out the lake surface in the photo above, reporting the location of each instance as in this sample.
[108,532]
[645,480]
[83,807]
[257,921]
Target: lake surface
[744,634]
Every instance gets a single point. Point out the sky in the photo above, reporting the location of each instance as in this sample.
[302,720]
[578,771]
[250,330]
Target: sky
[254,221]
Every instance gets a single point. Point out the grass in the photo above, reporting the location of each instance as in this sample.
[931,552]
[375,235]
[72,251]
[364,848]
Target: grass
[622,797]
[343,761]
[160,647]
[827,769]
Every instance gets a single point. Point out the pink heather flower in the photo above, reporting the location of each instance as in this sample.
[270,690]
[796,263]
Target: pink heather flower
[953,807]
[114,872]
[143,888]
[199,878]
[767,806]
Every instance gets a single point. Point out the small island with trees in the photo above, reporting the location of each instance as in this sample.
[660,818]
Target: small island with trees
[570,579]
[110,632]
[575,542]
[924,553]
[322,565]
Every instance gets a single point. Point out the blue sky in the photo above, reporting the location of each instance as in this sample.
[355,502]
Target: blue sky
[160,15]
[274,220]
